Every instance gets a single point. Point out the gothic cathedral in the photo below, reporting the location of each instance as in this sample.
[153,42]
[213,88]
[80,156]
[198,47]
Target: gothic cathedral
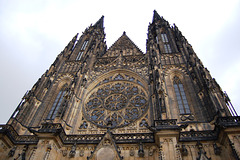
[99,103]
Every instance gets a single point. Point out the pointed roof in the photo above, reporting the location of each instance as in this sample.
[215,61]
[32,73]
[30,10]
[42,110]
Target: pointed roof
[99,23]
[124,43]
[106,149]
[156,16]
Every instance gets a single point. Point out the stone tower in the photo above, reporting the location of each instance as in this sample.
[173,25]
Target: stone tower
[118,103]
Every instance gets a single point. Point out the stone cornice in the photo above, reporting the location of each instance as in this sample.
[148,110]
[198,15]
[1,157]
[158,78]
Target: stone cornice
[48,130]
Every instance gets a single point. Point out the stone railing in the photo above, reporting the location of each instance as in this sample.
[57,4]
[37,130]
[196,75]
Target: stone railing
[231,121]
[71,139]
[198,135]
[134,138]
[58,130]
[15,138]
[166,124]
[50,128]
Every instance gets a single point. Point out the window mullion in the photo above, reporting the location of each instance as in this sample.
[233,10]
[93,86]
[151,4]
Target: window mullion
[56,105]
[181,98]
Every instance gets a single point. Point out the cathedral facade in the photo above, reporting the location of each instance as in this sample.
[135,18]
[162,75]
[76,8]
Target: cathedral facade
[99,103]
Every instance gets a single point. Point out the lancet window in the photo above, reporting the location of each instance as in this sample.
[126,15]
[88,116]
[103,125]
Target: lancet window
[56,105]
[181,96]
[167,47]
[84,45]
[164,37]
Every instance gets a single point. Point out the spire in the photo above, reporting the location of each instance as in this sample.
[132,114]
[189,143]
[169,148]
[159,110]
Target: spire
[99,23]
[75,38]
[155,16]
[72,43]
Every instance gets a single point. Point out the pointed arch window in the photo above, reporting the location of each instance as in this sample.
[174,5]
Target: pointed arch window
[167,48]
[57,103]
[181,96]
[164,37]
[84,45]
[166,44]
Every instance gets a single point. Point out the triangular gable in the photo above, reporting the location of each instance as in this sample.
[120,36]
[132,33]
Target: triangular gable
[106,149]
[124,45]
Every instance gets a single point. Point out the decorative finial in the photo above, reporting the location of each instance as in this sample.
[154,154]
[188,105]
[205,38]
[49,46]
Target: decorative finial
[124,33]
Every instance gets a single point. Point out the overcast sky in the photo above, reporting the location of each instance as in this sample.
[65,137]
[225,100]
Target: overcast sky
[33,33]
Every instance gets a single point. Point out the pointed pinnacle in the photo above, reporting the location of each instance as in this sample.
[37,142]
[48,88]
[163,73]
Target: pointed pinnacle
[155,16]
[76,35]
[99,23]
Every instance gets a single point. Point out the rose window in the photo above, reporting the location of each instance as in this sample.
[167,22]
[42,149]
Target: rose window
[116,104]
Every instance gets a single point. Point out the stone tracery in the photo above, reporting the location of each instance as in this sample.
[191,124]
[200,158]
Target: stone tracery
[116,102]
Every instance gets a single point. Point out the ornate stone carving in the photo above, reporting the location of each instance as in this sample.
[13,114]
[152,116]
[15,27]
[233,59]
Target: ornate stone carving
[81,153]
[143,123]
[18,139]
[49,148]
[73,151]
[150,151]
[184,150]
[116,104]
[166,124]
[12,151]
[144,137]
[64,153]
[186,117]
[198,135]
[141,151]
[134,63]
[33,151]
[161,153]
[84,125]
[132,152]
[201,154]
[178,153]
[229,121]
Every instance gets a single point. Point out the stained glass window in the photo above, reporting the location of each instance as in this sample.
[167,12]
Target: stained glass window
[84,45]
[116,104]
[56,105]
[164,37]
[181,97]
[167,46]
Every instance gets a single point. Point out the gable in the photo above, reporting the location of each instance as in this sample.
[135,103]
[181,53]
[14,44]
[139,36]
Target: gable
[123,45]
